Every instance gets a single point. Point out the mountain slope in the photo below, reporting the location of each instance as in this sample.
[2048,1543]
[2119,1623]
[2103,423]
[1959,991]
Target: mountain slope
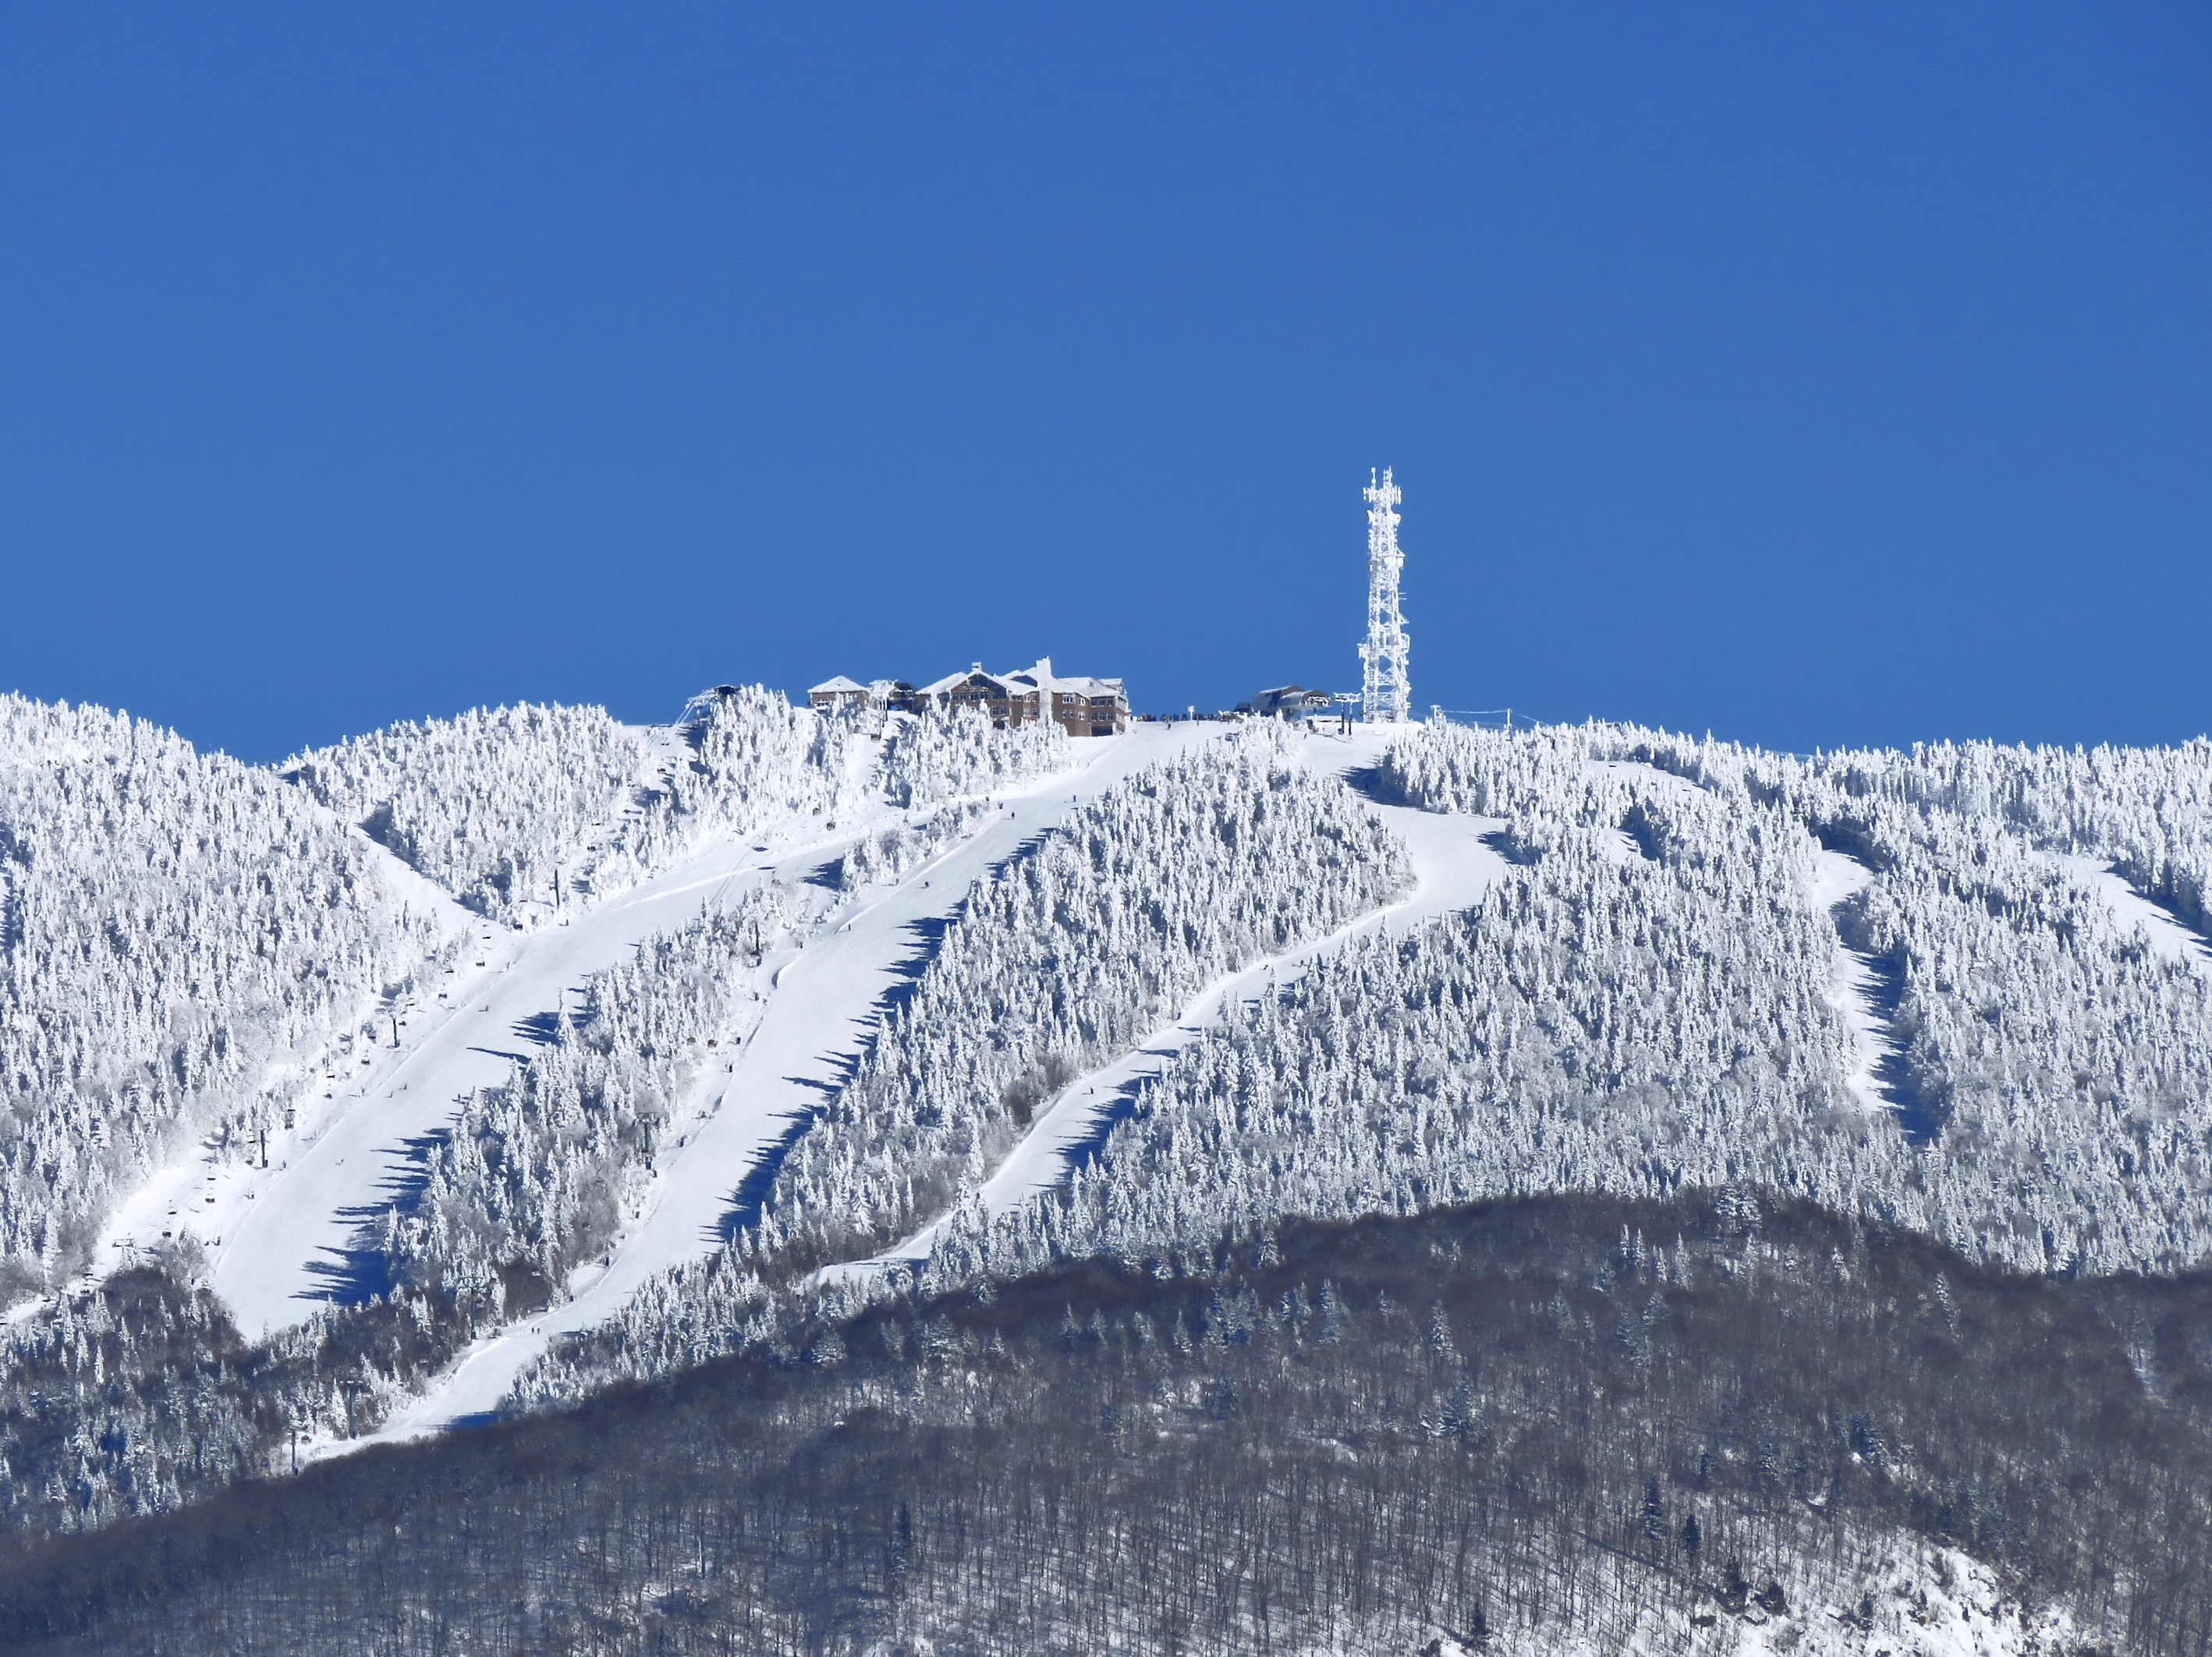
[827,1018]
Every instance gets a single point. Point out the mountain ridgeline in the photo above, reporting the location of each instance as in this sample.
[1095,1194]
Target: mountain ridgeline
[1772,1202]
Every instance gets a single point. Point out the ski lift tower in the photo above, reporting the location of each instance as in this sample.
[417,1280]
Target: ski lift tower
[1388,695]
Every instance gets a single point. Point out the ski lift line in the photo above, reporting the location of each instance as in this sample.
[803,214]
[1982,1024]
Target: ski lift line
[1485,718]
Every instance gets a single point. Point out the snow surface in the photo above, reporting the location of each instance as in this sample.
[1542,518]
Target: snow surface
[1914,1600]
[820,1014]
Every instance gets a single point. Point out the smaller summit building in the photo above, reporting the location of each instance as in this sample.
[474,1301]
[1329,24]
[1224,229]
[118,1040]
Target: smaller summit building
[1292,702]
[840,691]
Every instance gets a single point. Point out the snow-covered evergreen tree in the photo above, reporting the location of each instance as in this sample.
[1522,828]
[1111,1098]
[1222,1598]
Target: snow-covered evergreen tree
[488,804]
[890,853]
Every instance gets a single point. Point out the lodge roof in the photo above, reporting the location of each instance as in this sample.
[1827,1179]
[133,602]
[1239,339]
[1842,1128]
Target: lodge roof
[1039,681]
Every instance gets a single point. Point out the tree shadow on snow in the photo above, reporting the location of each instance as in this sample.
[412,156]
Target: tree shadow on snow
[1370,784]
[361,1271]
[743,1204]
[543,1028]
[927,933]
[1110,1111]
[1920,1117]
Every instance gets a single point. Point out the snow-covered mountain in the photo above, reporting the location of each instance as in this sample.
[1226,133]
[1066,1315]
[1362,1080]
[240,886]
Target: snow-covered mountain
[472,1067]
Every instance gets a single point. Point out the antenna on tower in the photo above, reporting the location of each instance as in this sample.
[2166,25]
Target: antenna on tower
[1387,696]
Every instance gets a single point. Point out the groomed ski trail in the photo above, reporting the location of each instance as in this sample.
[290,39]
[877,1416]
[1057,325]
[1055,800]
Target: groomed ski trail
[822,1011]
[204,1195]
[1837,879]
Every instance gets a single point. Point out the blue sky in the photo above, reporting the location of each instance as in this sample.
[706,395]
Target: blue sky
[1811,375]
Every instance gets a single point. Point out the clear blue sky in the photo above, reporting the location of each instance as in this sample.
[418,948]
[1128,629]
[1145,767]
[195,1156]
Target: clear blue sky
[1810,373]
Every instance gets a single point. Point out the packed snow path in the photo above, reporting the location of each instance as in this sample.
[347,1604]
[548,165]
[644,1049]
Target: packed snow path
[818,1018]
[207,1196]
[1453,867]
[1854,985]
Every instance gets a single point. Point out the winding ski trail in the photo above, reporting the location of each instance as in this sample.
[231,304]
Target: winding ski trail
[1453,867]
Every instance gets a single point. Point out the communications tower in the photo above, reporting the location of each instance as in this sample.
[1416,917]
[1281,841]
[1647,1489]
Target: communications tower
[1387,695]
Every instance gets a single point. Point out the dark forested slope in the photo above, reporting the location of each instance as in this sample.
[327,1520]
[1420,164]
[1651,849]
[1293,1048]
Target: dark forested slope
[1637,1425]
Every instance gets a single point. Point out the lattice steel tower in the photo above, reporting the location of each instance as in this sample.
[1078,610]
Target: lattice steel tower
[1386,694]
